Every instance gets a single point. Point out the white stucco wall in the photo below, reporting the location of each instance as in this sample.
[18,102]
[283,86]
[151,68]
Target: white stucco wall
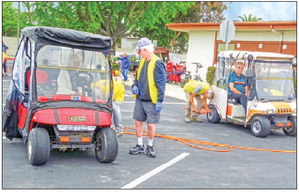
[12,43]
[129,43]
[201,49]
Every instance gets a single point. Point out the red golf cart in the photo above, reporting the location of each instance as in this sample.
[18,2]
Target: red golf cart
[53,102]
[174,66]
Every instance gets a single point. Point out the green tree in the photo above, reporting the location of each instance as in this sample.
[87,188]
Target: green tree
[113,19]
[153,25]
[9,19]
[249,18]
[180,12]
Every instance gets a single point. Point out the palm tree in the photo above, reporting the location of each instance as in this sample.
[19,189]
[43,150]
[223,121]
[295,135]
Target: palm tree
[249,18]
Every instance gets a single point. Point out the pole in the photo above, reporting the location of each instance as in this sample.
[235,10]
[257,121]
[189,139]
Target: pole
[18,28]
[226,34]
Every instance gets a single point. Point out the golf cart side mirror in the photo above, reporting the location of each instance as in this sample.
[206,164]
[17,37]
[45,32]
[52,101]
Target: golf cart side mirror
[249,73]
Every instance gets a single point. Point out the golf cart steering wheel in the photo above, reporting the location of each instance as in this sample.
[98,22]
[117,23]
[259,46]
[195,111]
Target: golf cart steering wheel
[81,79]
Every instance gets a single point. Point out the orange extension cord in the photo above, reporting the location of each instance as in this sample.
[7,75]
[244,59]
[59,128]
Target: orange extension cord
[194,143]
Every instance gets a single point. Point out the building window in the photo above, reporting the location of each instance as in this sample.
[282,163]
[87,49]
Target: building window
[260,45]
[230,47]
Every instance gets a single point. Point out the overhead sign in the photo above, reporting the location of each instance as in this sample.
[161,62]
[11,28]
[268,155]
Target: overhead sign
[227,31]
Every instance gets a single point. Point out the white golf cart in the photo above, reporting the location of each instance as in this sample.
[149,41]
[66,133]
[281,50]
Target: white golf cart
[271,103]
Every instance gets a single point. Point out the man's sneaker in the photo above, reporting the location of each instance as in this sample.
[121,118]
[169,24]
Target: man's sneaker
[196,119]
[137,150]
[150,151]
[187,119]
[119,132]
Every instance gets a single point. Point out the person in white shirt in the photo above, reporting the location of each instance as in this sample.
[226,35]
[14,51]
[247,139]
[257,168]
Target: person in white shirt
[64,79]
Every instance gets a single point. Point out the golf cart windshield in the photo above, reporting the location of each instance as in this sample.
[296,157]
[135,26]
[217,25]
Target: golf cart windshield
[65,73]
[274,80]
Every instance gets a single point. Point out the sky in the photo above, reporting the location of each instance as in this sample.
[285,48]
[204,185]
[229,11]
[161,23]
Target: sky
[268,11]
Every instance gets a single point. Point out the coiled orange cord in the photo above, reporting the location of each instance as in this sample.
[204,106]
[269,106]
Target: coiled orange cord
[194,143]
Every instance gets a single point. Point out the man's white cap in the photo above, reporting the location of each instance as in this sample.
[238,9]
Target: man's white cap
[143,42]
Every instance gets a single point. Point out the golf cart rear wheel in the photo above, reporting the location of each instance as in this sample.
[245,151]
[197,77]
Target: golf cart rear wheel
[38,146]
[106,145]
[213,117]
[260,127]
[291,131]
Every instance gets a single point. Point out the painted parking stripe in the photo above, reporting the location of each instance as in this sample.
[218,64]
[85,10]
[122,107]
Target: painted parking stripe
[155,171]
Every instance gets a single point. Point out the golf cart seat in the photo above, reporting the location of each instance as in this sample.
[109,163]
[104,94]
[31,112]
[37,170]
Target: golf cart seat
[41,77]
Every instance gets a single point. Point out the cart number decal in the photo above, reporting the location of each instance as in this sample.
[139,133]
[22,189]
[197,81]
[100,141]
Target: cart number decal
[78,118]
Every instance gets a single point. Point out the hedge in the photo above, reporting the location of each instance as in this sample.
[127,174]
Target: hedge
[211,75]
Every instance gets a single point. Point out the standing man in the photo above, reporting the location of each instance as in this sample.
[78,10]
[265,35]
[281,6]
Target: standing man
[125,66]
[4,57]
[196,89]
[118,98]
[149,87]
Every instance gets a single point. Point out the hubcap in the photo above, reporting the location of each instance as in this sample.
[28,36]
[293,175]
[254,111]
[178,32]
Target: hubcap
[211,114]
[256,127]
[99,145]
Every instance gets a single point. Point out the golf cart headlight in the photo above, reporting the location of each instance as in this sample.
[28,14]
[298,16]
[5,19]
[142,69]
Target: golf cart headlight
[75,128]
[270,111]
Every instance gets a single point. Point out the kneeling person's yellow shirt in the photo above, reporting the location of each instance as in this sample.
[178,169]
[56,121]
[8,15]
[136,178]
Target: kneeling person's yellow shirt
[118,90]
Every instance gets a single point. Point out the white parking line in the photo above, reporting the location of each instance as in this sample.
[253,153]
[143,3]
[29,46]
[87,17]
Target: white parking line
[155,171]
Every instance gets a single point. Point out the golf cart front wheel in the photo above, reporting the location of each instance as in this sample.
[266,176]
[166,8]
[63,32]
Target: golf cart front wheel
[106,145]
[291,131]
[213,117]
[38,146]
[260,127]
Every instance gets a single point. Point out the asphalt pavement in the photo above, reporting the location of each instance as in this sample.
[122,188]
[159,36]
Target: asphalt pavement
[177,166]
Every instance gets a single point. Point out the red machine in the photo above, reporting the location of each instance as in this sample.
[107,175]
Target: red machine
[174,67]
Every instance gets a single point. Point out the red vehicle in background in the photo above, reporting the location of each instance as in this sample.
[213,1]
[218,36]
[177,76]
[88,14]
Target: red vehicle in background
[55,100]
[174,66]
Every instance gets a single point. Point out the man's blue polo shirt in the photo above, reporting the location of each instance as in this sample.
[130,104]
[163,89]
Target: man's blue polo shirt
[238,81]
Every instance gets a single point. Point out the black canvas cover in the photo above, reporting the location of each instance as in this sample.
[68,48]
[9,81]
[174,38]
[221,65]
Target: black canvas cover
[68,37]
[10,115]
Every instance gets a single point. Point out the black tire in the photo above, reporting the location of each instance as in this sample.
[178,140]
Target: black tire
[213,117]
[106,145]
[38,146]
[291,131]
[260,127]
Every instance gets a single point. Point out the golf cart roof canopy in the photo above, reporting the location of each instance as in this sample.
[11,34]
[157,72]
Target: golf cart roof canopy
[67,37]
[243,55]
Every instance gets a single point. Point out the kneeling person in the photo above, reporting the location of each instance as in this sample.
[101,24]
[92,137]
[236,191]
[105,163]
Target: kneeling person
[201,91]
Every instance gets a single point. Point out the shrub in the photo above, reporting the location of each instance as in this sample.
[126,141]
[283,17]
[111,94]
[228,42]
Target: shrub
[211,75]
[114,66]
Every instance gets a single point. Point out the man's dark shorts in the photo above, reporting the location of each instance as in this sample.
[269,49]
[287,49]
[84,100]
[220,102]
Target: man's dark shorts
[145,111]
